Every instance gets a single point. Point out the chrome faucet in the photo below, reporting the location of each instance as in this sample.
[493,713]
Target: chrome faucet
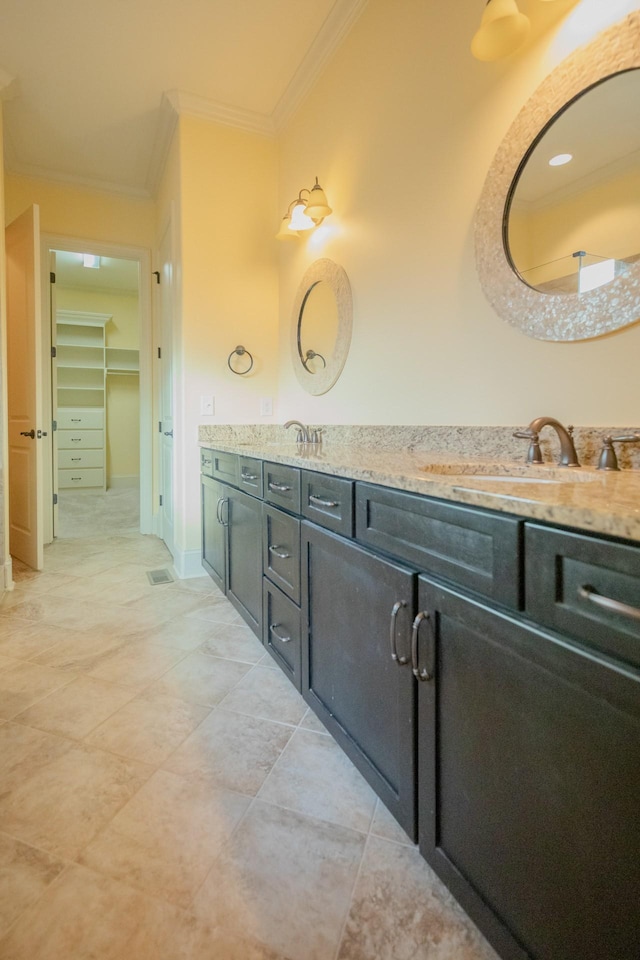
[568,455]
[305,434]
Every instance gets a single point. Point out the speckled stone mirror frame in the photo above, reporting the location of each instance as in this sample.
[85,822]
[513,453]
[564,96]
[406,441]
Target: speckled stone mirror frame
[541,315]
[331,273]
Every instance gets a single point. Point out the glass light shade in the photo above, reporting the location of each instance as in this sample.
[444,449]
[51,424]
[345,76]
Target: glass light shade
[317,206]
[299,218]
[284,233]
[502,30]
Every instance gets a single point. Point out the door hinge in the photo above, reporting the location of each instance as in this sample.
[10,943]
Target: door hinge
[52,277]
[159,352]
[156,274]
[159,426]
[55,499]
[160,499]
[54,426]
[54,351]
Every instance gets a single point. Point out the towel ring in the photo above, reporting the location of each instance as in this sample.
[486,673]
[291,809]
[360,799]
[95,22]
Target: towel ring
[312,355]
[240,351]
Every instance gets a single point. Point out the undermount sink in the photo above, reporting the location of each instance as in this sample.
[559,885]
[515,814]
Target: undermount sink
[508,473]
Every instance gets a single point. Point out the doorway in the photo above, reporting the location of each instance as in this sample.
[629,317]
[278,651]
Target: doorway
[97,379]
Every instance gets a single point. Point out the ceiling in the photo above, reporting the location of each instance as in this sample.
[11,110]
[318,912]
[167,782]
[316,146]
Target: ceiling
[112,274]
[91,89]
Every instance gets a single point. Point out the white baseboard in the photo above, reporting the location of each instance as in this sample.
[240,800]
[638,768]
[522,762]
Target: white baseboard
[187,564]
[7,575]
[119,483]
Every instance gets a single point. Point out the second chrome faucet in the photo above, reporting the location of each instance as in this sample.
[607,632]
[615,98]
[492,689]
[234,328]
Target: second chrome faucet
[305,434]
[568,455]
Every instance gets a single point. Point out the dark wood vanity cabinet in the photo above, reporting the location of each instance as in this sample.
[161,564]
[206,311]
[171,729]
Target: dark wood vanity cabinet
[231,554]
[529,752]
[355,606]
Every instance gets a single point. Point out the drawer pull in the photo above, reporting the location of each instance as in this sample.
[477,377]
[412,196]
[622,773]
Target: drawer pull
[76,459]
[319,502]
[397,607]
[249,477]
[76,478]
[273,629]
[614,606]
[75,439]
[206,463]
[275,548]
[417,672]
[278,487]
[76,420]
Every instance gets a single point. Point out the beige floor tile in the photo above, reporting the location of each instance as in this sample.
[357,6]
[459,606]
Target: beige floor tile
[25,640]
[182,633]
[92,566]
[401,910]
[23,751]
[230,750]
[285,880]
[7,662]
[82,916]
[165,604]
[124,573]
[25,684]
[148,730]
[203,586]
[20,594]
[80,651]
[63,793]
[233,641]
[266,693]
[78,708]
[315,777]
[25,873]
[386,826]
[311,722]
[218,610]
[166,837]
[128,591]
[46,583]
[200,679]
[135,664]
[77,588]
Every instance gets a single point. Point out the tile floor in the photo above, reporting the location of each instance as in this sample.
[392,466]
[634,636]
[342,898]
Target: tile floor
[166,795]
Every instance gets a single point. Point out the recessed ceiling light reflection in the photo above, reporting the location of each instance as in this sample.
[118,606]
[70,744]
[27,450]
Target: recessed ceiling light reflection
[560,159]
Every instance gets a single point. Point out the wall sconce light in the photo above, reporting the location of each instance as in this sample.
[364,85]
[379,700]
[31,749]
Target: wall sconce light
[502,30]
[304,213]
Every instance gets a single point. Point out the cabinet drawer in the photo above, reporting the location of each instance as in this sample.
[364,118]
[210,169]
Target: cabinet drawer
[282,631]
[206,463]
[76,439]
[282,486]
[80,459]
[327,501]
[281,550]
[474,548]
[585,587]
[80,419]
[250,476]
[225,467]
[80,478]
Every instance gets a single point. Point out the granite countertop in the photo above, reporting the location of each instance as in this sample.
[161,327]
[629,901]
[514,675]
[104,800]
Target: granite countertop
[583,498]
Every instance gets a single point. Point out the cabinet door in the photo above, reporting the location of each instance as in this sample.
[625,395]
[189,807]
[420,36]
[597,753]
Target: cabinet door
[213,532]
[244,557]
[363,696]
[529,751]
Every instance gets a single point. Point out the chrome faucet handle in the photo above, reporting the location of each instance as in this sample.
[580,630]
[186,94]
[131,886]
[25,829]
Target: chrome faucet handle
[302,435]
[315,436]
[608,458]
[534,453]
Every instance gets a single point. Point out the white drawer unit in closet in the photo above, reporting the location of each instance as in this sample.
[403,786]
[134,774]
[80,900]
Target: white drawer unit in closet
[80,478]
[74,459]
[80,439]
[69,419]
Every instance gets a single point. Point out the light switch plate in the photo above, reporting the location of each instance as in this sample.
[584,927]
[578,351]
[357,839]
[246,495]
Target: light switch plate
[266,407]
[207,406]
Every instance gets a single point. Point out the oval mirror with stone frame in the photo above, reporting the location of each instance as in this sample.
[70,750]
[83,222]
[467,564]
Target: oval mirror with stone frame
[544,314]
[321,323]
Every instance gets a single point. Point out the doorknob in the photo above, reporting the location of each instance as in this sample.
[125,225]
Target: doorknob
[168,433]
[28,433]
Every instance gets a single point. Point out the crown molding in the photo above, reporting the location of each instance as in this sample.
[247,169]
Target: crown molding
[339,22]
[72,180]
[191,105]
[167,122]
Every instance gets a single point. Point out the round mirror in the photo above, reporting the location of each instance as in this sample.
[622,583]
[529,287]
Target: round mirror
[317,327]
[559,258]
[572,217]
[321,323]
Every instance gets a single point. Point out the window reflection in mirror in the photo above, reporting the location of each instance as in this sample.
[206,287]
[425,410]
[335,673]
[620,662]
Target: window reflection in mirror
[317,327]
[574,224]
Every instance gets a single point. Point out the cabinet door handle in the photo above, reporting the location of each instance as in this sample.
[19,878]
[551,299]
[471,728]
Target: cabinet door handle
[278,487]
[225,523]
[275,548]
[607,603]
[218,505]
[417,672]
[319,502]
[273,629]
[397,607]
[249,477]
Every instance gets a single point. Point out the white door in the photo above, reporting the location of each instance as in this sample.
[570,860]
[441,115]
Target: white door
[26,537]
[54,394]
[166,294]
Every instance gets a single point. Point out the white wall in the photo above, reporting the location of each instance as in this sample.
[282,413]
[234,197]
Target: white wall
[401,130]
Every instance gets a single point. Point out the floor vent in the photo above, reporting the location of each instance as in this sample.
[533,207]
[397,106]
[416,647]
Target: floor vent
[159,576]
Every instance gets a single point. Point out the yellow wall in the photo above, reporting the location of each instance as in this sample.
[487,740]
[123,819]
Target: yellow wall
[401,130]
[123,409]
